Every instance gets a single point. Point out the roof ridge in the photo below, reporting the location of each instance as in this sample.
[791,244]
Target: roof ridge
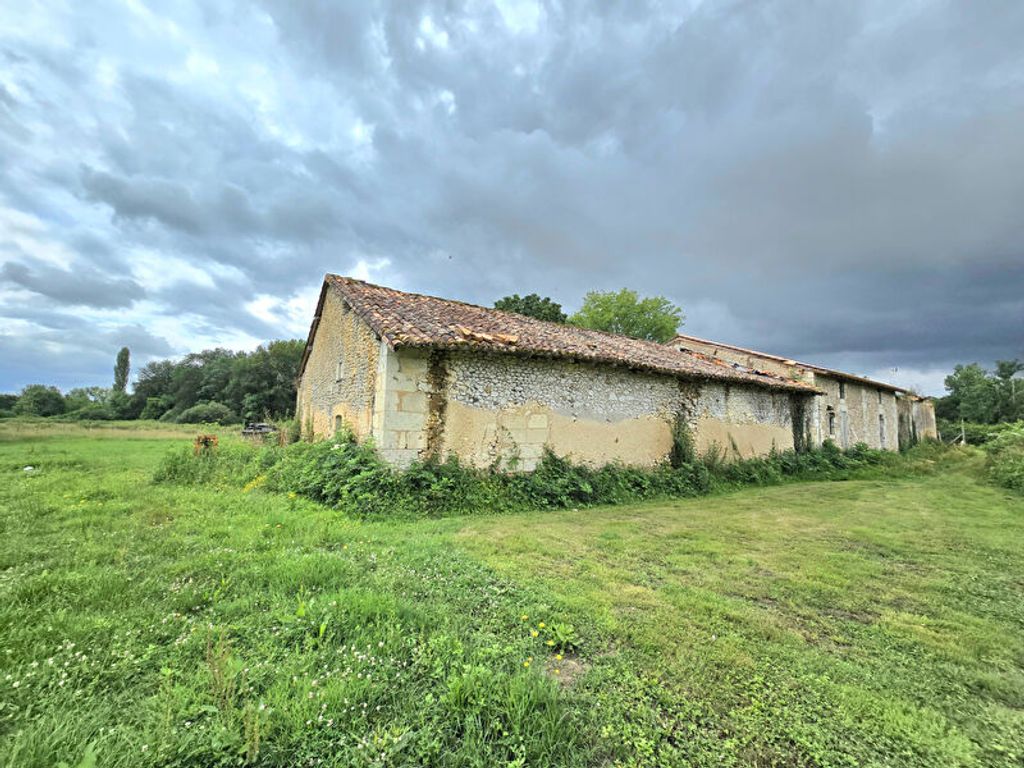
[794,361]
[417,320]
[519,317]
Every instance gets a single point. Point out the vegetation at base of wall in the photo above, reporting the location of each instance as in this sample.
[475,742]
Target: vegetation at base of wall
[1006,458]
[351,476]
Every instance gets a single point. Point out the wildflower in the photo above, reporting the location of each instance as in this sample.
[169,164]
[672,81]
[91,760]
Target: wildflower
[551,642]
[524,617]
[558,656]
[526,663]
[557,671]
[541,625]
[534,633]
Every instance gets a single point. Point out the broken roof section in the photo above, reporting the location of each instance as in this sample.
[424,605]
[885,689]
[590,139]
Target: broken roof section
[413,320]
[683,339]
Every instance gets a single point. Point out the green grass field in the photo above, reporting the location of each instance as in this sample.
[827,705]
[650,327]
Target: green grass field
[870,622]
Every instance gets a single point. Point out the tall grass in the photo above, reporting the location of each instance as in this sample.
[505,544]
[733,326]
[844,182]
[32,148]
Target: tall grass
[350,476]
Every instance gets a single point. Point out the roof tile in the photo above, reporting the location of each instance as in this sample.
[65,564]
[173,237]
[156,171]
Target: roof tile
[413,320]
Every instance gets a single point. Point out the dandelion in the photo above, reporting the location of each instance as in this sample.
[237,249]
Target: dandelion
[551,642]
[534,633]
[526,663]
[524,617]
[541,625]
[558,657]
[558,671]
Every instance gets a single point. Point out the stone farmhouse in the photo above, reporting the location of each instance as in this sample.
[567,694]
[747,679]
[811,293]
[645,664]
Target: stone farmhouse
[423,376]
[850,409]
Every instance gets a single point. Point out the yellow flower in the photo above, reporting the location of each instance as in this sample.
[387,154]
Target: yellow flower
[526,663]
[551,642]
[541,625]
[534,633]
[344,546]
[524,617]
[558,671]
[559,657]
[292,494]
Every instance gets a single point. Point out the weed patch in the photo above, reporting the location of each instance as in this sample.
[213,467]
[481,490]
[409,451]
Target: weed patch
[350,476]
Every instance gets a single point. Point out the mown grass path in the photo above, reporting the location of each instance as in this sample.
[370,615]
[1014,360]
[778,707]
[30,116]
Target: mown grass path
[834,624]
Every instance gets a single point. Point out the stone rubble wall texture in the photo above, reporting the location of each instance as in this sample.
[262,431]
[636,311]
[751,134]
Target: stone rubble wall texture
[505,409]
[492,408]
[323,399]
[857,414]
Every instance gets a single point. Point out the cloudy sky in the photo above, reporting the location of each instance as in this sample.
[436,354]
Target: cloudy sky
[841,182]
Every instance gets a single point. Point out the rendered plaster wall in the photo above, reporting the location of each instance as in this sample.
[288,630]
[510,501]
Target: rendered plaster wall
[746,421]
[330,394]
[856,414]
[923,414]
[857,409]
[505,409]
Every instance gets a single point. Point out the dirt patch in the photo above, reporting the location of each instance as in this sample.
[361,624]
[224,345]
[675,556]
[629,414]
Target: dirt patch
[566,670]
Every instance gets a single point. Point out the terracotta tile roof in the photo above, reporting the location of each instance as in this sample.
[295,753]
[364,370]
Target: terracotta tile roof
[681,339]
[413,320]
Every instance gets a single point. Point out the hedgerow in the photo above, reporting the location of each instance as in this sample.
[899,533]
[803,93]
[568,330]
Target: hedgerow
[351,476]
[1006,459]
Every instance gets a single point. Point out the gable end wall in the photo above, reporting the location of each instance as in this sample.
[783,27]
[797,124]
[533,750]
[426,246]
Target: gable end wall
[341,336]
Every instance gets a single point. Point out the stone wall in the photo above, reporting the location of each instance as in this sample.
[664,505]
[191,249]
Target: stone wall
[746,421]
[340,377]
[863,414]
[786,369]
[923,414]
[504,409]
[856,413]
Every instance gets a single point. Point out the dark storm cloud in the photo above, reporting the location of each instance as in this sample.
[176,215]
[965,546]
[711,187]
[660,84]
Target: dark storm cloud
[835,182]
[88,288]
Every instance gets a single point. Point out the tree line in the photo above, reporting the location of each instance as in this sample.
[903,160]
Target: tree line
[981,396]
[222,385]
[213,385]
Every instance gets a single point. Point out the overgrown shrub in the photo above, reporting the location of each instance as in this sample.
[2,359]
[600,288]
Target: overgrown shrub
[207,413]
[1006,459]
[91,412]
[352,477]
[975,434]
[227,465]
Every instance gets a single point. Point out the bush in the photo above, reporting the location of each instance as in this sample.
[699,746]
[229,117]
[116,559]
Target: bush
[6,413]
[40,400]
[1006,459]
[206,413]
[91,412]
[975,434]
[224,465]
[352,477]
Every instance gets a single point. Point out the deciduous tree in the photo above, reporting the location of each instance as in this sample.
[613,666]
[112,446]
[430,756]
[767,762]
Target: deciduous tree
[654,318]
[532,305]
